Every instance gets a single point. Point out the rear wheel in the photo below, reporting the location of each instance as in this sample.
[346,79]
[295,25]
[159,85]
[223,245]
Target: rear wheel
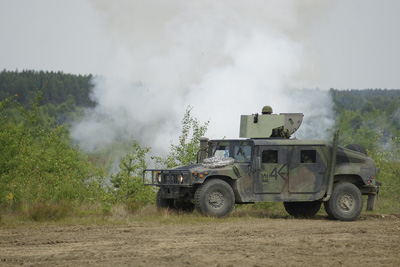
[215,198]
[302,209]
[345,203]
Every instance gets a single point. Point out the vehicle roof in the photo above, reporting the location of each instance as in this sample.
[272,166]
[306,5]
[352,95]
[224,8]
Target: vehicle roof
[276,141]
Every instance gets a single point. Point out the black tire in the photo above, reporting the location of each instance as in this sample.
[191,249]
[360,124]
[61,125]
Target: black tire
[214,198]
[302,209]
[357,148]
[346,202]
[164,203]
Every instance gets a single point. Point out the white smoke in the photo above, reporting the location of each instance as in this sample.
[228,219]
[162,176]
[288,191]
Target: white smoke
[223,58]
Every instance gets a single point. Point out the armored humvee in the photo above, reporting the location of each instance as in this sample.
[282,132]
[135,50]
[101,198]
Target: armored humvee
[266,165]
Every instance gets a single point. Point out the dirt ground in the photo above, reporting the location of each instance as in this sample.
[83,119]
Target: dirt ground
[369,241]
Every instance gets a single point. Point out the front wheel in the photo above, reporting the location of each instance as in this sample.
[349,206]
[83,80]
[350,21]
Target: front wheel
[215,198]
[345,203]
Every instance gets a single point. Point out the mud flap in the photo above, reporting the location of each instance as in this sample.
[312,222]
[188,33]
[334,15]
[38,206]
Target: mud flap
[371,202]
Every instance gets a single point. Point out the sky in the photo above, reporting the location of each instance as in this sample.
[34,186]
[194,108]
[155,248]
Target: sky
[356,41]
[155,58]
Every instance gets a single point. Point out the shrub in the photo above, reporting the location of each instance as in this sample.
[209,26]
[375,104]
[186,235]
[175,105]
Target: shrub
[388,199]
[39,165]
[128,182]
[49,211]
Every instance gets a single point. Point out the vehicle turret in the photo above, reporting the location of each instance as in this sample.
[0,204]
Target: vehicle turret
[267,124]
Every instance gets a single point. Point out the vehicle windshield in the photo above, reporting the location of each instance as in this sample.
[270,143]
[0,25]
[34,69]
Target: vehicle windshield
[239,150]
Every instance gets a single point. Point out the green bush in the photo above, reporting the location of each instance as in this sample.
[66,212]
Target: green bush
[128,181]
[388,200]
[39,165]
[185,152]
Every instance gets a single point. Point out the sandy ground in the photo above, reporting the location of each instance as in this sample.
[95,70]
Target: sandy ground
[369,241]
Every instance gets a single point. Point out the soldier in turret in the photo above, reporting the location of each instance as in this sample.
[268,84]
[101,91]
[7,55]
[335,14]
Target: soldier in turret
[277,132]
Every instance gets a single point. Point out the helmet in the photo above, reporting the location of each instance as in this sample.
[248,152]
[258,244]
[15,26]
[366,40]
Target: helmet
[266,110]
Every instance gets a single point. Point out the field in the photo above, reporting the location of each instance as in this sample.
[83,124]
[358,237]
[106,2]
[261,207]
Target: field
[187,240]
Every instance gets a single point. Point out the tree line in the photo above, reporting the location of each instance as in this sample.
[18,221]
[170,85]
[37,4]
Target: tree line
[369,117]
[58,87]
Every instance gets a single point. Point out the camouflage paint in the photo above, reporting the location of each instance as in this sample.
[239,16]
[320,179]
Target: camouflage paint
[288,179]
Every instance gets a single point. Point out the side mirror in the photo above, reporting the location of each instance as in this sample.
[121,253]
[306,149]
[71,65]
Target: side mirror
[256,166]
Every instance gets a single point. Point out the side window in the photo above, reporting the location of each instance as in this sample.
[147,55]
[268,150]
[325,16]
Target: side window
[308,156]
[242,153]
[269,156]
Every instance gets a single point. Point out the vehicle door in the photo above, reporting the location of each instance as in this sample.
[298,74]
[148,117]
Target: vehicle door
[307,169]
[274,170]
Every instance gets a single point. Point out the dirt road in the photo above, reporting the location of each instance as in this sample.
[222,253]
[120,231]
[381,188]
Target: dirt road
[369,241]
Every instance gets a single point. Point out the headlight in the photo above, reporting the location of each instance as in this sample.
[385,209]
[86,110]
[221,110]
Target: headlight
[159,177]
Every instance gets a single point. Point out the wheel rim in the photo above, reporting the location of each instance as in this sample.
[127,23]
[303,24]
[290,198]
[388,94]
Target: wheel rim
[216,200]
[346,202]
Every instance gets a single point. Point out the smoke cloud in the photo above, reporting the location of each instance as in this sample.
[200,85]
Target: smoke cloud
[223,58]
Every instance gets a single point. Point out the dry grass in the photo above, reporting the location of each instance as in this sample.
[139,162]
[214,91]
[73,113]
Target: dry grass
[93,214]
[47,211]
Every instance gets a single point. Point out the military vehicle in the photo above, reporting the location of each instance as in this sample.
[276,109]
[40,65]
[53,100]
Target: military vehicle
[264,165]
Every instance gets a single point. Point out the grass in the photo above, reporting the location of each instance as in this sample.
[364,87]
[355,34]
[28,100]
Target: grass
[65,213]
[47,211]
